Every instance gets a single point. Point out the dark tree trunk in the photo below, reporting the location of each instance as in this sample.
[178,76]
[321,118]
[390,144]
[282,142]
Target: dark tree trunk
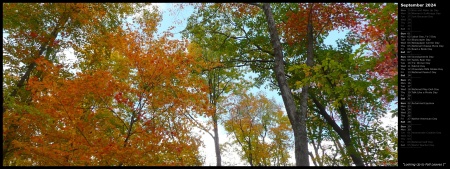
[298,124]
[343,132]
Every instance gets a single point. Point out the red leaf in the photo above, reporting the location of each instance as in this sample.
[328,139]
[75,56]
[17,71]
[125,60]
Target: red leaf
[33,34]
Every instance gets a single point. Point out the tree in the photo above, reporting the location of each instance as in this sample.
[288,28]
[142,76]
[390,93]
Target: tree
[319,19]
[296,118]
[259,127]
[126,106]
[134,96]
[299,55]
[222,76]
[43,32]
[253,52]
[381,35]
[352,98]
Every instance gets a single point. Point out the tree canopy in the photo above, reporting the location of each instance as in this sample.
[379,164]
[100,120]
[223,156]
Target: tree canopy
[135,96]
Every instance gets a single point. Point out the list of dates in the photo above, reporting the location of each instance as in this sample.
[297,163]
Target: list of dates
[421,84]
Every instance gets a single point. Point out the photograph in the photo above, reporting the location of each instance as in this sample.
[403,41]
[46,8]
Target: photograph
[205,84]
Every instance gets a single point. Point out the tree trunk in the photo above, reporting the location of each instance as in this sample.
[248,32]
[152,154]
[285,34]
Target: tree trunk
[298,124]
[21,83]
[344,132]
[356,157]
[213,82]
[309,63]
[63,20]
[216,143]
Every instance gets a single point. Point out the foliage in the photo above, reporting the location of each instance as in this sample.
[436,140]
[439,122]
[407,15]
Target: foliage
[259,126]
[126,106]
[133,96]
[351,85]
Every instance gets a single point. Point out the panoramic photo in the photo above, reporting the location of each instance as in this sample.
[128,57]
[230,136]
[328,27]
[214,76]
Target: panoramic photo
[200,84]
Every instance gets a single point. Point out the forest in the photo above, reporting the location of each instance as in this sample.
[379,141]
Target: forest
[137,97]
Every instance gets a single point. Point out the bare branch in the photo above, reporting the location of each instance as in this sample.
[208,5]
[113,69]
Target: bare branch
[198,124]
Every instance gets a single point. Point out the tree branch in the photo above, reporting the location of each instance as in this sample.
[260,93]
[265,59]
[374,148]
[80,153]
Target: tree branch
[228,36]
[252,61]
[257,46]
[33,64]
[312,157]
[325,115]
[198,124]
